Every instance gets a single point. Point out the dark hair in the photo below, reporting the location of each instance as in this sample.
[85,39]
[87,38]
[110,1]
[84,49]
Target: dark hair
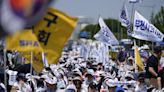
[93,85]
[21,76]
[121,56]
[157,49]
[40,83]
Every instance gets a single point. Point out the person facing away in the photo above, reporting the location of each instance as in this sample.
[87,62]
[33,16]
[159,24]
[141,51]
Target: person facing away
[152,65]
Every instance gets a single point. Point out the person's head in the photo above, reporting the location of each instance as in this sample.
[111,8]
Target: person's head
[90,75]
[121,56]
[100,66]
[21,78]
[70,80]
[89,64]
[51,82]
[92,87]
[158,51]
[141,78]
[129,76]
[77,81]
[77,72]
[130,60]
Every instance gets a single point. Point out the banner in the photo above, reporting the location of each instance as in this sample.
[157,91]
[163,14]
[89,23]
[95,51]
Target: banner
[144,30]
[124,18]
[24,41]
[105,35]
[53,31]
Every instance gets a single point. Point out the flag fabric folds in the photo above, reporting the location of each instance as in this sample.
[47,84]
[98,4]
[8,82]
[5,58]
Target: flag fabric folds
[144,30]
[37,63]
[138,61]
[53,31]
[48,36]
[24,41]
[123,17]
[105,35]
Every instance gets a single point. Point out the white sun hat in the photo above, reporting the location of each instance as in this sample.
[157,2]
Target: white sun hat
[51,80]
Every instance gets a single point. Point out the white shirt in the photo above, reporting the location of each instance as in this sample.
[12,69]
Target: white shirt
[12,77]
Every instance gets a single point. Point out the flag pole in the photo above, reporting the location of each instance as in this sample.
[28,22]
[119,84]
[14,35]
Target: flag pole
[135,65]
[5,76]
[31,64]
[152,46]
[93,32]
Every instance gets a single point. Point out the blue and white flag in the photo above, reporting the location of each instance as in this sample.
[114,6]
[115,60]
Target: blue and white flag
[123,16]
[124,19]
[144,30]
[105,35]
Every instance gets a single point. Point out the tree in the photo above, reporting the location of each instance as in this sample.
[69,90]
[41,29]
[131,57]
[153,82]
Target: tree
[158,19]
[113,24]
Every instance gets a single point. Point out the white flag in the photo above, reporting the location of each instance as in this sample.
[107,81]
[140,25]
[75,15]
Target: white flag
[124,18]
[105,35]
[144,30]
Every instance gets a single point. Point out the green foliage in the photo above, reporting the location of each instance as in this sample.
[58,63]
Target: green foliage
[113,24]
[158,19]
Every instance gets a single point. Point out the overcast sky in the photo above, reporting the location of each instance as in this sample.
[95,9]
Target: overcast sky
[106,8]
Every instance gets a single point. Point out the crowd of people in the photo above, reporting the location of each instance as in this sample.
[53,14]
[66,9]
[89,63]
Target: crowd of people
[87,67]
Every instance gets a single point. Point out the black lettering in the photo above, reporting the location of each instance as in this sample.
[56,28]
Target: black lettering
[43,36]
[54,20]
